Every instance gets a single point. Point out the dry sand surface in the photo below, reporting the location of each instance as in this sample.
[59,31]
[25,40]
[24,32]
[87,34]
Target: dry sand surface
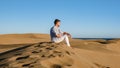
[35,51]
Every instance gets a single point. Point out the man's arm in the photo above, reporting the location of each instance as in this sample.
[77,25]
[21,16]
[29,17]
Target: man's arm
[58,35]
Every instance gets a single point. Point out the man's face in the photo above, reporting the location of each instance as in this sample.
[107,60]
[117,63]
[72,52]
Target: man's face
[58,24]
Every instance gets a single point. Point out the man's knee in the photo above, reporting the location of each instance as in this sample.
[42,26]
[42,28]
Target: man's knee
[65,36]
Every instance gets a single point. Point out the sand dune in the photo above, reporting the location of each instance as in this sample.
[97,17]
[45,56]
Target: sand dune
[35,51]
[47,55]
[23,38]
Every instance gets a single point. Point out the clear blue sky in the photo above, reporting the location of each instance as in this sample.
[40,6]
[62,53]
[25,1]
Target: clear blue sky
[82,18]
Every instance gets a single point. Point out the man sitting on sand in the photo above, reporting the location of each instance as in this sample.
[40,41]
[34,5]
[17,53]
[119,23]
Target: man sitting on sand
[57,35]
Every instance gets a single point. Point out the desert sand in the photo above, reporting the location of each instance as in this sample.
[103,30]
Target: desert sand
[36,51]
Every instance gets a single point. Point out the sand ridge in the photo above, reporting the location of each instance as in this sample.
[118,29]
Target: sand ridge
[46,55]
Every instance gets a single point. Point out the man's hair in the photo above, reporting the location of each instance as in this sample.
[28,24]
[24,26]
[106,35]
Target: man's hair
[56,20]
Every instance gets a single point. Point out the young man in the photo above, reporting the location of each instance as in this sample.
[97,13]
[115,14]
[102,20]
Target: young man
[57,35]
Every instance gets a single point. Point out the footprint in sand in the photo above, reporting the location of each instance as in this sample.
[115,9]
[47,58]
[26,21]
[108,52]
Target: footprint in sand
[56,66]
[51,55]
[22,57]
[68,52]
[25,65]
[49,48]
[57,51]
[35,52]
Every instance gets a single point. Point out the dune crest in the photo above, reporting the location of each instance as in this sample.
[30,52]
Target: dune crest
[46,55]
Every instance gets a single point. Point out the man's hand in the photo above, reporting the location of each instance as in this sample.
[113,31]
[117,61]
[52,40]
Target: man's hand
[64,33]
